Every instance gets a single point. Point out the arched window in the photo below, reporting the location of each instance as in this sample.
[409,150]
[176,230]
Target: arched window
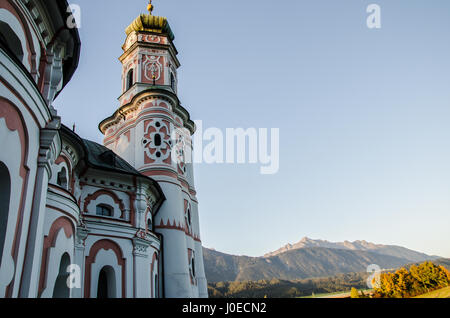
[130,77]
[61,289]
[106,283]
[104,210]
[172,81]
[61,180]
[149,225]
[9,38]
[5,196]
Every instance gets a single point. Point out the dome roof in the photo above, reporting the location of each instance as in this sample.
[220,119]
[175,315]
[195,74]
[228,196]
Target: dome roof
[150,23]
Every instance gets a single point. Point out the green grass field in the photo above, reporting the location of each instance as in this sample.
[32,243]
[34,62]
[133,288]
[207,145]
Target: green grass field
[330,295]
[345,294]
[440,293]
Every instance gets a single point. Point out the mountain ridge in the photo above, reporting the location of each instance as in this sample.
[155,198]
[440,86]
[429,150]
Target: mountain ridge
[308,260]
[361,245]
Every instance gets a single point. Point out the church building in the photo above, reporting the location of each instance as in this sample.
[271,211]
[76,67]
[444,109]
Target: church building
[84,220]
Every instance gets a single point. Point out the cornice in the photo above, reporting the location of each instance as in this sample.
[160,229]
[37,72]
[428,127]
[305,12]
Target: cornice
[138,99]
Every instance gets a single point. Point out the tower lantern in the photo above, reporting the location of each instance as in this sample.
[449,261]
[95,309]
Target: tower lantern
[149,56]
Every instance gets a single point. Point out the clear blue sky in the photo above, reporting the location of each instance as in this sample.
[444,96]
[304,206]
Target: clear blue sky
[364,115]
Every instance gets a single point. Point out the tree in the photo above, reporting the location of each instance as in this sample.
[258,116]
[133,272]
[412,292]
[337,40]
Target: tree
[444,277]
[387,284]
[403,284]
[418,280]
[354,293]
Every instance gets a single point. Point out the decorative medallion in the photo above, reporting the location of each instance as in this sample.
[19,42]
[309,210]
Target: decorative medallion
[150,38]
[179,151]
[132,38]
[156,141]
[152,67]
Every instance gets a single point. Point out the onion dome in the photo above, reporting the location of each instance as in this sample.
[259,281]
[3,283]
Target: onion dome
[150,23]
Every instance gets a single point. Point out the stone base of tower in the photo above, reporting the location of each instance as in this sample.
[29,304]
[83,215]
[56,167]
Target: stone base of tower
[201,279]
[178,281]
[183,271]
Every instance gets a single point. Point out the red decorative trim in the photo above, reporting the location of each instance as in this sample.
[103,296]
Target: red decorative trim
[42,67]
[107,245]
[98,193]
[89,217]
[50,241]
[184,183]
[160,173]
[161,79]
[112,236]
[62,211]
[12,8]
[31,113]
[15,122]
[57,188]
[63,158]
[165,181]
[177,227]
[70,172]
[156,173]
[130,124]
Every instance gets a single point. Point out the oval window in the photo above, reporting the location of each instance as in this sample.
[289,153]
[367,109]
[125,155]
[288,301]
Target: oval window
[158,140]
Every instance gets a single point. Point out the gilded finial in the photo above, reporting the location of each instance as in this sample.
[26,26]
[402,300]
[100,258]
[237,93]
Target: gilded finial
[150,7]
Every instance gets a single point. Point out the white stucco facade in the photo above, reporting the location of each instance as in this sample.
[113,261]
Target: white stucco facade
[79,219]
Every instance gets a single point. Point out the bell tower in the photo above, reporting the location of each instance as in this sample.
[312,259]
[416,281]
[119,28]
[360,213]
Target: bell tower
[152,131]
[149,58]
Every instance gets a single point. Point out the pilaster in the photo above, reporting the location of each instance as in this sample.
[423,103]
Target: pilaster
[50,147]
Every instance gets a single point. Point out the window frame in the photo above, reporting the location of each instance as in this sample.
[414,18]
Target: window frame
[104,207]
[130,79]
